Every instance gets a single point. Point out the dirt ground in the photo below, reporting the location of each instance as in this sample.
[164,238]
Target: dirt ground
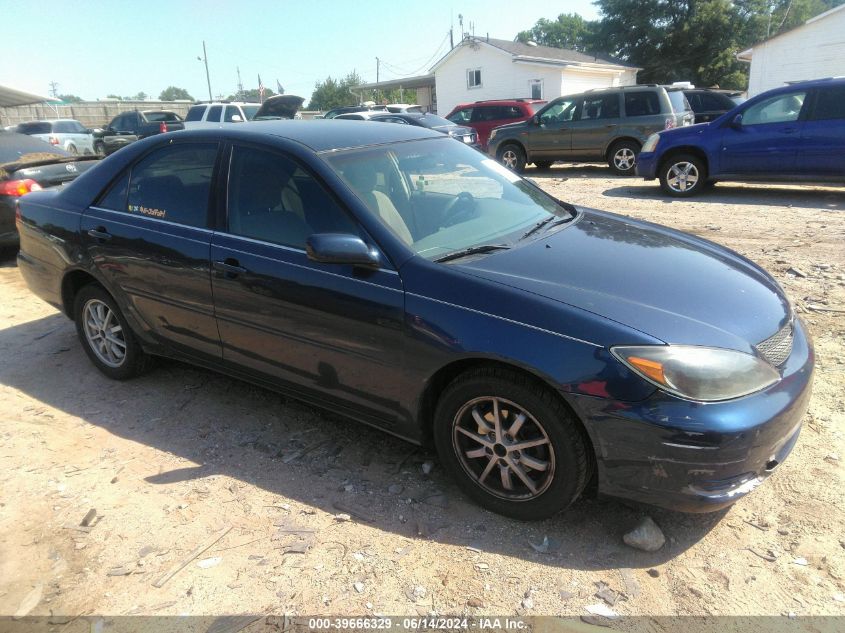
[175,458]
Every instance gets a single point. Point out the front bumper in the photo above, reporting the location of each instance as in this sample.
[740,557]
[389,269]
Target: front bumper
[699,457]
[647,165]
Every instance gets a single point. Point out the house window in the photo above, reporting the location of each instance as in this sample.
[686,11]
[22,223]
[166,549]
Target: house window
[536,88]
[474,78]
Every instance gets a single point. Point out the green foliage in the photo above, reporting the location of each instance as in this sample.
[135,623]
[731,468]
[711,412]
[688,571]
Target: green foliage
[570,31]
[334,93]
[679,40]
[252,95]
[70,98]
[172,93]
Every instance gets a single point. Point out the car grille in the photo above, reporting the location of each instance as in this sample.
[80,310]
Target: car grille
[776,348]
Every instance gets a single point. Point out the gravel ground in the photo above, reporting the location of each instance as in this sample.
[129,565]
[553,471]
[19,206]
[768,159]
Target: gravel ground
[319,515]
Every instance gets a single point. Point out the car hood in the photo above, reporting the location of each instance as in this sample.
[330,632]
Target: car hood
[686,131]
[670,285]
[279,107]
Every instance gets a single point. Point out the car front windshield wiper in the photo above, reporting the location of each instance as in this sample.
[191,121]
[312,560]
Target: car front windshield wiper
[548,223]
[472,250]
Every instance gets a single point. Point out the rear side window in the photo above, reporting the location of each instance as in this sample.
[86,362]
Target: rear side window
[830,104]
[64,127]
[487,113]
[678,100]
[173,183]
[214,113]
[36,127]
[512,112]
[115,196]
[600,107]
[642,103]
[195,113]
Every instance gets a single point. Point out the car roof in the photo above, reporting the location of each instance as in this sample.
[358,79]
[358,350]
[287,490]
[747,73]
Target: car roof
[514,101]
[319,134]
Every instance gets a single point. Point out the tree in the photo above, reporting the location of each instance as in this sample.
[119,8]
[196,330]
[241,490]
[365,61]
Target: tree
[172,93]
[251,95]
[69,98]
[141,96]
[119,98]
[334,93]
[570,31]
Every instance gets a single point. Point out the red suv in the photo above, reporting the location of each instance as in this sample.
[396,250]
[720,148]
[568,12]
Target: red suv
[483,116]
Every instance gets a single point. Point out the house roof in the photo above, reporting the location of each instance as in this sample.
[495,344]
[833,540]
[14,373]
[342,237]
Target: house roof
[520,51]
[748,53]
[420,81]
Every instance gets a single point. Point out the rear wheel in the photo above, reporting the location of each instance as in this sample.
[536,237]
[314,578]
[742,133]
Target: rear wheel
[105,335]
[510,444]
[622,157]
[682,175]
[512,156]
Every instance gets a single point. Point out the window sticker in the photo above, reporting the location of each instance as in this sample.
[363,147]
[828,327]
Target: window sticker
[153,213]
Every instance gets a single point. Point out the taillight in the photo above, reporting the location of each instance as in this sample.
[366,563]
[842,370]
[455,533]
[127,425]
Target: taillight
[162,128]
[54,140]
[18,188]
[670,123]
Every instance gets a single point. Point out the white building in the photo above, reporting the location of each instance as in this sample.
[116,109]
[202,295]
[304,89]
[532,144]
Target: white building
[814,50]
[486,68]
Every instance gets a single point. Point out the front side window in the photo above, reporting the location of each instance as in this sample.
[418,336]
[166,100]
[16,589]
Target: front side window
[173,183]
[830,104]
[641,103]
[231,111]
[439,197]
[778,109]
[559,111]
[273,199]
[474,78]
[250,111]
[600,107]
[462,116]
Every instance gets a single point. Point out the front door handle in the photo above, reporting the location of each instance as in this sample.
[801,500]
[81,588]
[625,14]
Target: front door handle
[100,233]
[229,266]
[610,125]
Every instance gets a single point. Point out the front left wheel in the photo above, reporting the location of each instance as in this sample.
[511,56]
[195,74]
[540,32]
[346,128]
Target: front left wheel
[105,335]
[510,444]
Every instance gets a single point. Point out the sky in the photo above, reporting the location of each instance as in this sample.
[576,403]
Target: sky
[95,48]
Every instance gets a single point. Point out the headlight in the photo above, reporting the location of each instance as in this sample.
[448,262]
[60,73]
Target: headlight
[493,133]
[651,143]
[706,374]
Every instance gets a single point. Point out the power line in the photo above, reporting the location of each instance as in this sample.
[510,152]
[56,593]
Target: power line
[425,65]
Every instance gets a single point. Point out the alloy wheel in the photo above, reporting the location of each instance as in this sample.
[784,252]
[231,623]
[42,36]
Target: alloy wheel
[509,159]
[682,177]
[503,448]
[624,159]
[104,333]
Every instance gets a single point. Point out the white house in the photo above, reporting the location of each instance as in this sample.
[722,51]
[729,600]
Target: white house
[487,68]
[814,50]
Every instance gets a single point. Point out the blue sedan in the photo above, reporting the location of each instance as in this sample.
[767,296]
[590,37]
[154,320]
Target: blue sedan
[392,275]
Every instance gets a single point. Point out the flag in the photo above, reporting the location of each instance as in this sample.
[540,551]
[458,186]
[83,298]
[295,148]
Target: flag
[279,88]
[260,89]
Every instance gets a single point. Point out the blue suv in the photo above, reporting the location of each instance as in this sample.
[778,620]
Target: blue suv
[790,134]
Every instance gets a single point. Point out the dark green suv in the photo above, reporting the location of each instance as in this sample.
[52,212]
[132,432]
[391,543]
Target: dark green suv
[606,124]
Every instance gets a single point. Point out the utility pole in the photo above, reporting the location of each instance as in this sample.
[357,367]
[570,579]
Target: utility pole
[207,76]
[54,89]
[240,85]
[378,62]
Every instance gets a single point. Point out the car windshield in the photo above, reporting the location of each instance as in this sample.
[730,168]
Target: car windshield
[249,111]
[441,197]
[536,107]
[168,117]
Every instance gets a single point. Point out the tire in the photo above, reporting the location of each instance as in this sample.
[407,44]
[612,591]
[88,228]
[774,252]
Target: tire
[108,358]
[512,156]
[682,175]
[622,157]
[99,149]
[72,149]
[559,466]
[543,164]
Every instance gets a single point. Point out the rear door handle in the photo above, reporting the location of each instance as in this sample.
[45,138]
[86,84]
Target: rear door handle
[100,233]
[230,266]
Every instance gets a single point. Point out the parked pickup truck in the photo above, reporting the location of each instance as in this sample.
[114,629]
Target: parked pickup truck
[129,127]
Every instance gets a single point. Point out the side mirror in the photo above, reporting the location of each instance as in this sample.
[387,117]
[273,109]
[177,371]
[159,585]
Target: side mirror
[236,118]
[536,119]
[341,248]
[736,122]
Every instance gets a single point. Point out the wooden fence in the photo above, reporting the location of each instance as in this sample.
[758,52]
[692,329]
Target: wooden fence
[89,113]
